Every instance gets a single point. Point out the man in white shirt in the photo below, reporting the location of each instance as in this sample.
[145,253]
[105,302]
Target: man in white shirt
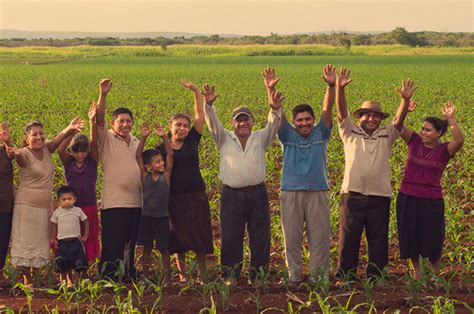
[244,199]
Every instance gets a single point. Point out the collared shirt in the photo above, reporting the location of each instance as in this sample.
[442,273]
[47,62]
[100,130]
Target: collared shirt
[238,167]
[122,177]
[304,159]
[367,168]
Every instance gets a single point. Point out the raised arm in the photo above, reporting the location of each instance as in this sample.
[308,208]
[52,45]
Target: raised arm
[94,149]
[342,80]
[458,138]
[270,80]
[329,76]
[406,132]
[62,149]
[274,117]
[5,135]
[144,133]
[406,92]
[199,119]
[160,131]
[14,152]
[76,125]
[215,126]
[104,87]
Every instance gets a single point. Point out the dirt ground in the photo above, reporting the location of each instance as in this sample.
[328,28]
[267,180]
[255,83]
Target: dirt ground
[272,295]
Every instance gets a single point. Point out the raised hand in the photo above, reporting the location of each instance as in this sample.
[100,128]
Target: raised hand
[329,74]
[145,129]
[407,89]
[448,110]
[12,152]
[76,124]
[342,77]
[5,133]
[412,106]
[269,78]
[160,131]
[92,111]
[209,94]
[190,85]
[276,98]
[105,86]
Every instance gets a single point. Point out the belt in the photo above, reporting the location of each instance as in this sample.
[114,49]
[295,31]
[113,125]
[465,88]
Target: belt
[247,189]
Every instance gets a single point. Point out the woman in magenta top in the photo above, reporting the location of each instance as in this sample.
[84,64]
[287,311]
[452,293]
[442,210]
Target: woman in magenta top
[420,205]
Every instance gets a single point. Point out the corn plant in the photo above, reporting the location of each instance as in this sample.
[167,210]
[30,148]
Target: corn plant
[64,293]
[224,289]
[204,292]
[27,290]
[319,282]
[445,283]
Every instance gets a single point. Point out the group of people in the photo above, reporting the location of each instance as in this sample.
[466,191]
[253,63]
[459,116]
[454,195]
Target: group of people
[157,198]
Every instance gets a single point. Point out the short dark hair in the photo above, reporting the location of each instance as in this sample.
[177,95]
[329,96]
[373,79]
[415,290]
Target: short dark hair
[65,189]
[27,129]
[302,108]
[31,125]
[121,110]
[180,116]
[79,143]
[149,154]
[439,124]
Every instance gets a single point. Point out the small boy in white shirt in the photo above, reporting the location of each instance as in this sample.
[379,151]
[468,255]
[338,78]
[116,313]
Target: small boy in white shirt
[68,241]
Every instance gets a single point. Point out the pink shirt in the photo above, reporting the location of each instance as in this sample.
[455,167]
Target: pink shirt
[424,169]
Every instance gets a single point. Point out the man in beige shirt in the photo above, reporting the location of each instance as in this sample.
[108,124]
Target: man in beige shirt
[366,189]
[121,193]
[244,200]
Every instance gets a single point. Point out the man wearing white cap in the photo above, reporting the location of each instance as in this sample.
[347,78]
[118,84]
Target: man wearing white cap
[244,199]
[366,190]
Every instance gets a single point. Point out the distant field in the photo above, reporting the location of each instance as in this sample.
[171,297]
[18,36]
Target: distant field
[45,54]
[55,85]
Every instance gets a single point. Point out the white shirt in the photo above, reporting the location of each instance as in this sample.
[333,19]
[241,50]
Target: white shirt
[238,167]
[68,221]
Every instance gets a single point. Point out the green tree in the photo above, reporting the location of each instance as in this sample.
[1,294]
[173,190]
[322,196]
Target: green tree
[402,36]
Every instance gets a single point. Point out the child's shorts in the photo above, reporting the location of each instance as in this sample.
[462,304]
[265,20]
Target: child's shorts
[154,229]
[70,254]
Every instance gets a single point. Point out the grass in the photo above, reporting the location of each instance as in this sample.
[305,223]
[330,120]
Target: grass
[146,79]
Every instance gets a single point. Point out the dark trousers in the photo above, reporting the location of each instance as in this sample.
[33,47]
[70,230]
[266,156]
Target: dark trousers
[240,207]
[357,212]
[119,236]
[5,232]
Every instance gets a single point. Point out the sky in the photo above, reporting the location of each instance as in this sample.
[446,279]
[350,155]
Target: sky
[260,17]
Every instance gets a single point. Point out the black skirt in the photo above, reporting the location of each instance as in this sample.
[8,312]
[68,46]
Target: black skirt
[190,217]
[421,227]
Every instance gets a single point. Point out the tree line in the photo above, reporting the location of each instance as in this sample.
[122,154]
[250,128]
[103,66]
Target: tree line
[397,36]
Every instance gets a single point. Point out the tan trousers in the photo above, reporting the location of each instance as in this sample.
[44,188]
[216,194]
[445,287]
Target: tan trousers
[310,208]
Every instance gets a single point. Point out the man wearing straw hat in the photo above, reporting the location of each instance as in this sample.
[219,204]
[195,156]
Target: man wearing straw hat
[366,190]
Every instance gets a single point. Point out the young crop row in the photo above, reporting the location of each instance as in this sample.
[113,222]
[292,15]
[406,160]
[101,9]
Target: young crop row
[55,93]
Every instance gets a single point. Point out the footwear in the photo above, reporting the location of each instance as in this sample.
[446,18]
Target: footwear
[294,285]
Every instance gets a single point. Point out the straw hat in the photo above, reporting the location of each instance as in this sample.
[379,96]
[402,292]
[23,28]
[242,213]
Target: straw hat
[370,106]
